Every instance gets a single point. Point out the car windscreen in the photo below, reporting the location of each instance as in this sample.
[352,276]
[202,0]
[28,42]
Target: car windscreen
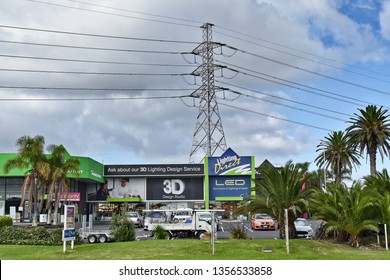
[301,223]
[263,217]
[183,213]
[133,215]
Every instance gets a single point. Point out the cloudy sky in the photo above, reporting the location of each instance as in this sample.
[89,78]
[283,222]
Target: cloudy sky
[111,80]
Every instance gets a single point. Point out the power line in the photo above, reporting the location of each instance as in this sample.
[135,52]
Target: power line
[94,89]
[113,14]
[90,48]
[298,86]
[92,73]
[274,117]
[289,106]
[285,99]
[94,98]
[300,51]
[95,61]
[96,35]
[309,71]
[137,12]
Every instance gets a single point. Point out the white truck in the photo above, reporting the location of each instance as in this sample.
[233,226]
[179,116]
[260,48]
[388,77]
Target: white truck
[194,227]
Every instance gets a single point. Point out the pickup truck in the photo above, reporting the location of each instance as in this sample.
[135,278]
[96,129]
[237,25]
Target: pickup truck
[194,226]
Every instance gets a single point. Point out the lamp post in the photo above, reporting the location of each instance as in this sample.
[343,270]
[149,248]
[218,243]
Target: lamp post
[324,172]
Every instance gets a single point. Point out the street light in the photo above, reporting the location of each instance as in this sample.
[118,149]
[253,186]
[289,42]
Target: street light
[324,173]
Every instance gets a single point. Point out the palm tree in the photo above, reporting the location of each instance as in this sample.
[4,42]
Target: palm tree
[371,133]
[338,152]
[379,187]
[30,157]
[60,166]
[280,189]
[345,210]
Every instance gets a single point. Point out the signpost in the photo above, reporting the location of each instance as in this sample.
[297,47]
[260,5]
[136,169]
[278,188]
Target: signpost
[69,232]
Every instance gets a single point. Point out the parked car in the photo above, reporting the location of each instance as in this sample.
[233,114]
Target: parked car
[303,228]
[207,216]
[135,217]
[154,216]
[263,221]
[182,215]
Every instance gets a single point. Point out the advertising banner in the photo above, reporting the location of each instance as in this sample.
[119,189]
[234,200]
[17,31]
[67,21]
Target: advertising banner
[71,196]
[229,164]
[153,170]
[174,189]
[127,190]
[229,186]
[69,216]
[118,190]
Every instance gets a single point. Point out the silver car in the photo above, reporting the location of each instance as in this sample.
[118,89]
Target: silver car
[153,217]
[303,228]
[135,217]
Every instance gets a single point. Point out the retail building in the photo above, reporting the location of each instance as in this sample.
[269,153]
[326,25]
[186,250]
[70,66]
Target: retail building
[219,183]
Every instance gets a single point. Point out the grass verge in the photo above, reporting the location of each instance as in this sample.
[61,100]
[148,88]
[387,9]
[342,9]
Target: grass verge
[195,250]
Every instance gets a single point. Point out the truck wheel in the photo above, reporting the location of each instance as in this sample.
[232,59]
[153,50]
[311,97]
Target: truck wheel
[102,238]
[92,239]
[175,220]
[202,235]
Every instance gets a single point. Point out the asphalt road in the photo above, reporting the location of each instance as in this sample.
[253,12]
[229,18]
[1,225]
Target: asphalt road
[226,226]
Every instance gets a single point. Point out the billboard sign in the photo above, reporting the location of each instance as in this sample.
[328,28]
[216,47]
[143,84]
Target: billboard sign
[229,164]
[229,186]
[130,170]
[174,189]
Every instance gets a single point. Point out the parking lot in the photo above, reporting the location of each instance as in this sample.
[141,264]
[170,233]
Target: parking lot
[224,233]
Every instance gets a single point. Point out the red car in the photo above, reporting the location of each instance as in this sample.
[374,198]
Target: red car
[263,221]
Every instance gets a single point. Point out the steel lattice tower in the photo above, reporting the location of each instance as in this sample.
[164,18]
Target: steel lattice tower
[208,135]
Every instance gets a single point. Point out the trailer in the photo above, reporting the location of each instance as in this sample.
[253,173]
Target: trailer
[194,227]
[93,235]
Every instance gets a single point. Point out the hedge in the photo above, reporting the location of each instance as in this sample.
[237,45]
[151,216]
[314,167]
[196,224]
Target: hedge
[5,221]
[33,236]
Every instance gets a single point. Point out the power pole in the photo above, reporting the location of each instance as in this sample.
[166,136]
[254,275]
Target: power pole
[208,135]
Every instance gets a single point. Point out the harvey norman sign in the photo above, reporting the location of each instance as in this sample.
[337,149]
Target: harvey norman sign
[154,170]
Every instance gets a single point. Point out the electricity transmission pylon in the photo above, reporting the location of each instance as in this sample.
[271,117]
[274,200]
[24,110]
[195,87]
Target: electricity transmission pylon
[208,135]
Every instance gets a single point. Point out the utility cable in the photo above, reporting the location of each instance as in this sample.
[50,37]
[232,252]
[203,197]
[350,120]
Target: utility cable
[96,35]
[311,72]
[92,73]
[274,117]
[298,86]
[94,61]
[94,89]
[88,48]
[285,99]
[113,14]
[94,98]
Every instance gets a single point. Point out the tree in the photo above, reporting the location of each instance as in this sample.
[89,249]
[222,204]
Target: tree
[121,228]
[59,166]
[31,157]
[279,190]
[379,187]
[338,152]
[345,210]
[371,133]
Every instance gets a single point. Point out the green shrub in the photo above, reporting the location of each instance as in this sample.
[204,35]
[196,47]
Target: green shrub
[5,221]
[159,233]
[33,236]
[237,232]
[122,229]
